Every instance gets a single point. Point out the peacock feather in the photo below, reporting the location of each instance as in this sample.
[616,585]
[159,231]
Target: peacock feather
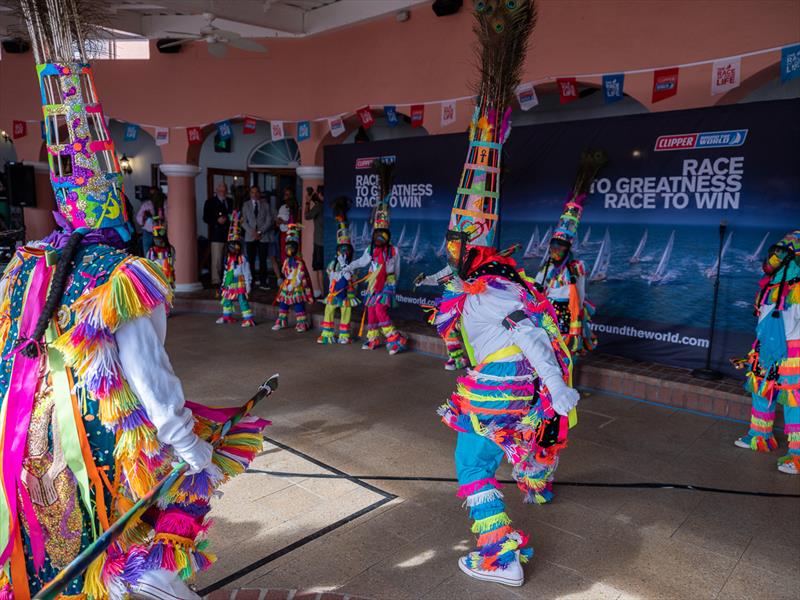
[591,163]
[385,172]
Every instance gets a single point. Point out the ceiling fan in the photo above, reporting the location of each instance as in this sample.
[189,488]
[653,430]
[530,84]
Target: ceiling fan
[217,39]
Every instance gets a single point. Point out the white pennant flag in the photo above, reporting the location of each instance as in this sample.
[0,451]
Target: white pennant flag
[162,136]
[726,75]
[526,96]
[276,128]
[337,126]
[448,113]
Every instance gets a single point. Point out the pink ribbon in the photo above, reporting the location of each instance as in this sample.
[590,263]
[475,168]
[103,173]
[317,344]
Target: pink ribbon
[21,392]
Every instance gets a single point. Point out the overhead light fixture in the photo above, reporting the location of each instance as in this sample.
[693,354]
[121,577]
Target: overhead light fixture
[636,153]
[125,165]
[402,16]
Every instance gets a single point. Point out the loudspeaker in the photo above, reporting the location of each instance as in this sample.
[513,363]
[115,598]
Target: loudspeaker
[442,8]
[169,50]
[21,184]
[16,46]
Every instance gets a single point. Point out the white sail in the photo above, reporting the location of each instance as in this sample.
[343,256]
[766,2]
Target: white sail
[637,256]
[533,243]
[712,270]
[757,254]
[587,236]
[414,257]
[661,270]
[544,243]
[365,232]
[402,237]
[442,248]
[601,263]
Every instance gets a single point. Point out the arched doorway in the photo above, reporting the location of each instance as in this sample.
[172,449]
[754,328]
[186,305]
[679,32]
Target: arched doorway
[271,166]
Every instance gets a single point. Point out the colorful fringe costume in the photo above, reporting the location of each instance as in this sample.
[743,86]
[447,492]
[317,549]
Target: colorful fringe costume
[564,279]
[774,362]
[83,419]
[295,290]
[456,357]
[161,252]
[237,279]
[341,291]
[511,403]
[383,261]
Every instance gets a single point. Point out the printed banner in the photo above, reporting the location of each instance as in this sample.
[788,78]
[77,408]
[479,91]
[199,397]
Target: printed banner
[336,126]
[665,84]
[790,63]
[649,235]
[194,135]
[391,115]
[303,130]
[19,129]
[249,126]
[417,115]
[365,115]
[448,113]
[224,130]
[613,86]
[162,136]
[526,96]
[726,75]
[131,132]
[276,130]
[567,89]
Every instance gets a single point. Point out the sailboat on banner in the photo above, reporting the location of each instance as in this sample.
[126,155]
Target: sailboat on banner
[544,243]
[711,271]
[402,237]
[603,260]
[365,233]
[660,274]
[587,236]
[637,256]
[533,243]
[442,249]
[756,256]
[414,256]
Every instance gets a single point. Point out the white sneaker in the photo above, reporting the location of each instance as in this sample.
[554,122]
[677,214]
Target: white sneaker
[511,575]
[450,365]
[788,468]
[740,443]
[162,585]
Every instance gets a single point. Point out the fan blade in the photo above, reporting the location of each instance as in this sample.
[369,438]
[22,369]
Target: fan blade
[246,44]
[184,34]
[175,43]
[217,49]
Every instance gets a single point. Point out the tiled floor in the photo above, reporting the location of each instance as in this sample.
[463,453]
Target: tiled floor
[366,413]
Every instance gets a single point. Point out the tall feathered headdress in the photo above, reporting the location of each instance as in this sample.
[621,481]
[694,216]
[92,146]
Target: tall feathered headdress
[591,163]
[84,170]
[502,28]
[341,206]
[385,172]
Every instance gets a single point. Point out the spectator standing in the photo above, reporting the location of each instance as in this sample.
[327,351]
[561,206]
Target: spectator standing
[259,236]
[216,214]
[155,206]
[287,214]
[314,211]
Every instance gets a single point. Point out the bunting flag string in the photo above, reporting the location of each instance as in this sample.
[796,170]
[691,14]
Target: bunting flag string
[726,75]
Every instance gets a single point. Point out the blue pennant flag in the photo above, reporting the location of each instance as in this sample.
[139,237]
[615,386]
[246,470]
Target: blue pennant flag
[391,115]
[613,86]
[303,130]
[131,132]
[790,62]
[224,130]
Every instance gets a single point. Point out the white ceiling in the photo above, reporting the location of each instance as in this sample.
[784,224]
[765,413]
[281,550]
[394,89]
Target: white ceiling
[249,18]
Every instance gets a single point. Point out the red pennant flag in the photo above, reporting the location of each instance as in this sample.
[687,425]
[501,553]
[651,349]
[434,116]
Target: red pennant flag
[665,83]
[19,130]
[194,135]
[417,115]
[567,89]
[249,126]
[365,114]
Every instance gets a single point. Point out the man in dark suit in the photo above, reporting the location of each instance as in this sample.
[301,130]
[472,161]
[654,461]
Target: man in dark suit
[259,234]
[216,214]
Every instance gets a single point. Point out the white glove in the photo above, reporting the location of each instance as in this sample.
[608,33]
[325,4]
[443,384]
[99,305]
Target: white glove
[194,452]
[564,399]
